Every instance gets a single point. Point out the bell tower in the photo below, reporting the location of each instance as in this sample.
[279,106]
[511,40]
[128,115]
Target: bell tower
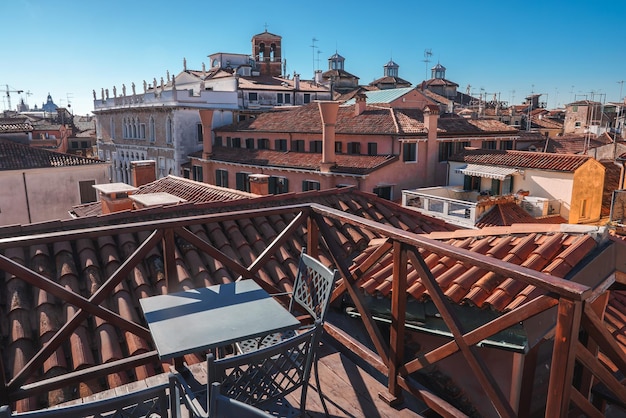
[266,50]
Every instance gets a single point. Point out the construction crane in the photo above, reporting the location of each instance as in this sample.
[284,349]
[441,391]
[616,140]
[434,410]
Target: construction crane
[8,91]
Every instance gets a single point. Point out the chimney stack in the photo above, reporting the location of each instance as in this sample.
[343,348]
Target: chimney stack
[114,197]
[206,117]
[328,112]
[431,118]
[259,184]
[296,81]
[360,104]
[143,172]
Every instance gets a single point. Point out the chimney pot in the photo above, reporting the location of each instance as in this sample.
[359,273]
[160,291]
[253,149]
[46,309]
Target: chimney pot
[360,104]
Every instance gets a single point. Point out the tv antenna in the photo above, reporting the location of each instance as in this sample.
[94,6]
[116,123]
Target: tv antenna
[313,47]
[427,54]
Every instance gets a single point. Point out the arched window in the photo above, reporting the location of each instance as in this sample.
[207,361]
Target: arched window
[261,52]
[124,128]
[152,129]
[272,52]
[134,127]
[168,130]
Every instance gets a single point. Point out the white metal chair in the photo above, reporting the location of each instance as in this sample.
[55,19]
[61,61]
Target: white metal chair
[312,288]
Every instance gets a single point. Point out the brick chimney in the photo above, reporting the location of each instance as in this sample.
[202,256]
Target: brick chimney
[114,196]
[142,172]
[206,117]
[431,118]
[360,104]
[328,112]
[259,184]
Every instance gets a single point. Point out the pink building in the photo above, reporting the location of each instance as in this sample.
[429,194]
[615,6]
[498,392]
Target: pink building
[382,149]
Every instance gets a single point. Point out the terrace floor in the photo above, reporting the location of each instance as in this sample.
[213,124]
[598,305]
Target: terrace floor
[349,390]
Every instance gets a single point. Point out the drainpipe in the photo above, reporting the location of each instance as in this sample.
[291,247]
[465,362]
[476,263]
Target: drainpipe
[26,195]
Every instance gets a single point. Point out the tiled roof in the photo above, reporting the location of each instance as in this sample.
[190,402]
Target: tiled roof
[507,214]
[277,83]
[14,156]
[345,163]
[523,159]
[437,82]
[459,125]
[573,144]
[374,120]
[548,249]
[306,119]
[82,264]
[189,190]
[390,80]
[14,125]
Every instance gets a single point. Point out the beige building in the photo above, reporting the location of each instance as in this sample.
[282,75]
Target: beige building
[39,185]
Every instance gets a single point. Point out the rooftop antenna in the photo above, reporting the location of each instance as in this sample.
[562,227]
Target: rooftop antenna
[427,54]
[318,58]
[621,85]
[313,48]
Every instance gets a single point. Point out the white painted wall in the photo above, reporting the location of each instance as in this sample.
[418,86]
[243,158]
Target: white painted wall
[554,185]
[44,194]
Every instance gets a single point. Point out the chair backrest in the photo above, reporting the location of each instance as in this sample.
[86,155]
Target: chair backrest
[313,286]
[221,406]
[269,373]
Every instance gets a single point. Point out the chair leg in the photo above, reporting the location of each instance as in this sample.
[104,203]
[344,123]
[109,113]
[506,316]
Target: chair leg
[319,388]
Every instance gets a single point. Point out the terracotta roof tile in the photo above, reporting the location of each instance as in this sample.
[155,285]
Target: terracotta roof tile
[84,264]
[345,163]
[523,159]
[14,156]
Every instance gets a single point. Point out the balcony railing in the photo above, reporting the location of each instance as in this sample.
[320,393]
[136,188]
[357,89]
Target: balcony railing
[311,226]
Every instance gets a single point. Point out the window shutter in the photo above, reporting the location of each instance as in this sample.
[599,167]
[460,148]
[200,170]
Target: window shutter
[495,187]
[467,183]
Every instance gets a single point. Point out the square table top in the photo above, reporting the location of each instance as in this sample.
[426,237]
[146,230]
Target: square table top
[210,317]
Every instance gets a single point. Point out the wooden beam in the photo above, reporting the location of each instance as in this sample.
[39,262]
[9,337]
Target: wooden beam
[584,405]
[365,266]
[398,321]
[476,363]
[521,313]
[357,298]
[84,375]
[596,329]
[169,261]
[312,238]
[356,347]
[63,334]
[431,400]
[563,356]
[562,287]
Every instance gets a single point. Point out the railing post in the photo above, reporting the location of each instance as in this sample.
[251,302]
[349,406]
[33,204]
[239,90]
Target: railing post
[398,316]
[563,358]
[169,260]
[312,238]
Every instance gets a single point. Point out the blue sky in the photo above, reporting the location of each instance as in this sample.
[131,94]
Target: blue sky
[565,50]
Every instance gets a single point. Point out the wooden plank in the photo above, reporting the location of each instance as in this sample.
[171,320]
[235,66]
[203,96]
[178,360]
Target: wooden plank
[562,367]
[350,391]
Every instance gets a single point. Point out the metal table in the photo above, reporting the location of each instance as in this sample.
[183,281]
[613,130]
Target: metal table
[211,317]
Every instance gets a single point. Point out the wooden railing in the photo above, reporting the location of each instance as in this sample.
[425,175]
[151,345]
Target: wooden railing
[310,226]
